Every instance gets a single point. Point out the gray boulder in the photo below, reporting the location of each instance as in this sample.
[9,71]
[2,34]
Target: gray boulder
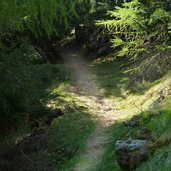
[130,153]
[131,145]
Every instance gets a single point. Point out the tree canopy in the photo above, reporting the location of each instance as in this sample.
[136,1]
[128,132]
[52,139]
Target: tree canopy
[36,15]
[137,24]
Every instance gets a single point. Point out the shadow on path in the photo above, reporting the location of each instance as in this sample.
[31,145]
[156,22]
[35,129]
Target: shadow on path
[89,94]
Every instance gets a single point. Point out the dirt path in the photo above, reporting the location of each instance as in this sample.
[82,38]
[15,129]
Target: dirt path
[88,92]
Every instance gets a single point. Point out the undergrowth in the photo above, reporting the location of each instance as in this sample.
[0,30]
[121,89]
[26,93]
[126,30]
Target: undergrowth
[135,103]
[160,125]
[64,138]
[160,161]
[68,137]
[159,122]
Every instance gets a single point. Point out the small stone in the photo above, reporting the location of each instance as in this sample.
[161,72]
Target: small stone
[131,124]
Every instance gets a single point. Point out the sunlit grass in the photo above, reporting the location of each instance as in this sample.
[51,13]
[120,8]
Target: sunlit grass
[160,125]
[71,130]
[113,82]
[60,95]
[110,78]
[158,122]
[141,101]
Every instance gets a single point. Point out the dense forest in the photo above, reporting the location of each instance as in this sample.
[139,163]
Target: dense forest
[85,85]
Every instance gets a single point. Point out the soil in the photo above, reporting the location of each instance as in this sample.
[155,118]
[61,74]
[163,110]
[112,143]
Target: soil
[88,92]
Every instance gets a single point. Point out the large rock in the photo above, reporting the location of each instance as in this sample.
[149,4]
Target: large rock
[130,153]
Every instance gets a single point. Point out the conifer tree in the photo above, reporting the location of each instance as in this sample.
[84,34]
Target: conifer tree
[36,15]
[136,25]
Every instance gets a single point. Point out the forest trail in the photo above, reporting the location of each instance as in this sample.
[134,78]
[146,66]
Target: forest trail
[89,94]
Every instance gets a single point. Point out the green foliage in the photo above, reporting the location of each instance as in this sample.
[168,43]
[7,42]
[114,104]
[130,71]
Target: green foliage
[39,16]
[136,26]
[161,123]
[23,86]
[126,31]
[160,161]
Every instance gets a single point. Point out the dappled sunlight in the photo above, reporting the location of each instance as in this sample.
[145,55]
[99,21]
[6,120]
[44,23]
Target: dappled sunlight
[98,88]
[110,78]
[101,60]
[112,82]
[108,104]
[80,78]
[61,97]
[156,119]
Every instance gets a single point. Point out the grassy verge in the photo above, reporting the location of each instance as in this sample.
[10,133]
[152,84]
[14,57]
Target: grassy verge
[112,81]
[68,137]
[110,77]
[109,161]
[68,133]
[159,123]
[161,161]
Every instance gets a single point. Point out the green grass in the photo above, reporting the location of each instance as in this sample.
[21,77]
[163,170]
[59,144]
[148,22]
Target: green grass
[159,122]
[71,128]
[110,77]
[71,131]
[160,161]
[111,80]
[68,134]
[109,162]
[160,126]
